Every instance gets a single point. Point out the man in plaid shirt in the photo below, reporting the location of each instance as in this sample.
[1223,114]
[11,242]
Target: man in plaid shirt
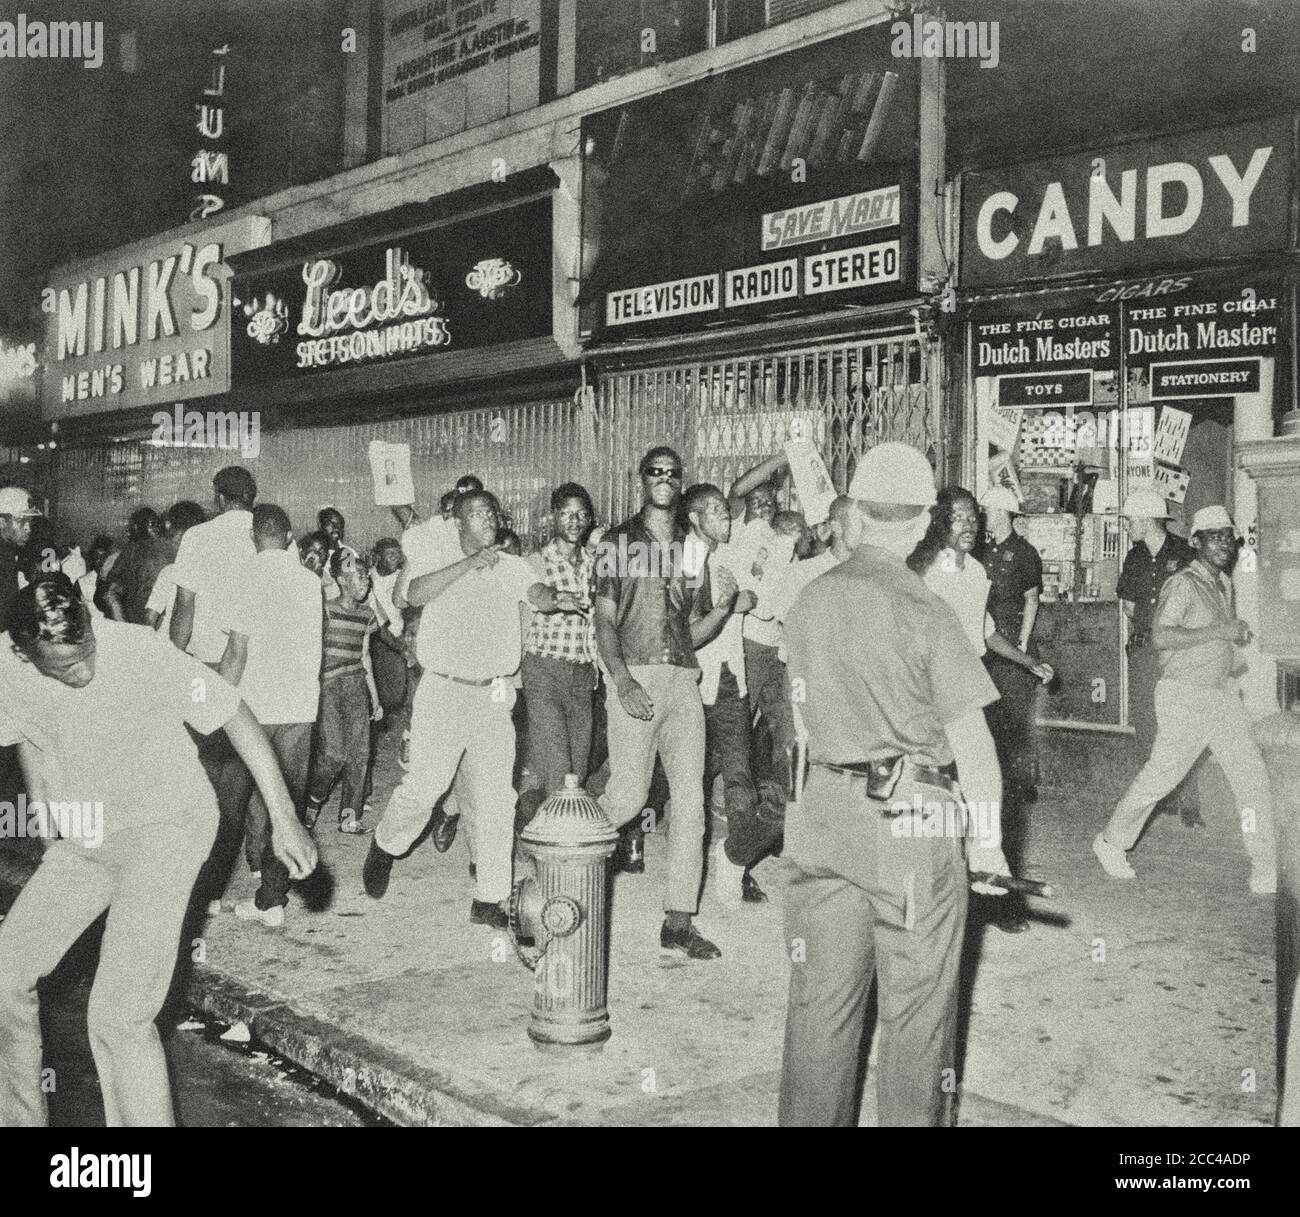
[559,665]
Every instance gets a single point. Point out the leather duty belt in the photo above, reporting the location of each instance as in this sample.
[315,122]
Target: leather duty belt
[884,778]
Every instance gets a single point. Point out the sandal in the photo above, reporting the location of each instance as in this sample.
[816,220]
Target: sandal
[350,824]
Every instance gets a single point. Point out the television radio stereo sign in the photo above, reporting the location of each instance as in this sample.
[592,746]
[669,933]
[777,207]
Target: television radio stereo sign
[145,326]
[808,274]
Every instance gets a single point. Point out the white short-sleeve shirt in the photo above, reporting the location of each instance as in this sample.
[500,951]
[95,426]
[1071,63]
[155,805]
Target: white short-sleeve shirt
[211,561]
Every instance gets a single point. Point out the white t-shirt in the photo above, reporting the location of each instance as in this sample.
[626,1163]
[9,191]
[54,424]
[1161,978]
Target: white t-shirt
[381,588]
[120,741]
[966,589]
[211,560]
[728,647]
[163,596]
[277,606]
[786,584]
[473,629]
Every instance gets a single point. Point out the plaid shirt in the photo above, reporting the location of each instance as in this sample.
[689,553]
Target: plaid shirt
[568,636]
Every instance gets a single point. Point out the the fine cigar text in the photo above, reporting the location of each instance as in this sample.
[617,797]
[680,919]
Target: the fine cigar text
[650,563]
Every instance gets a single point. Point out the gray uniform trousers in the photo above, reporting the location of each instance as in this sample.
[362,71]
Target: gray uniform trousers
[862,902]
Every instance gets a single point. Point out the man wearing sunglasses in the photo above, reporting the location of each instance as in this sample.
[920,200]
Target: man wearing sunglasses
[650,617]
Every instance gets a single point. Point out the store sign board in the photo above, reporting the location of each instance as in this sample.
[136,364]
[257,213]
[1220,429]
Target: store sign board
[653,301]
[1039,390]
[19,363]
[453,64]
[145,326]
[466,284]
[802,157]
[1205,378]
[1190,197]
[843,270]
[1056,342]
[843,217]
[761,284]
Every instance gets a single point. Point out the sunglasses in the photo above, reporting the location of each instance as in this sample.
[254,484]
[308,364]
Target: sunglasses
[663,471]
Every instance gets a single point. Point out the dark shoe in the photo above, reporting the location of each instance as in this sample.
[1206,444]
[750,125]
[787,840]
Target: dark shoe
[376,871]
[750,892]
[473,871]
[484,912]
[689,941]
[1191,817]
[1009,915]
[444,832]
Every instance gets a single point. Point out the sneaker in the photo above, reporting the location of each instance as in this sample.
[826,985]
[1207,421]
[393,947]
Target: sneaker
[376,871]
[1263,883]
[350,823]
[214,908]
[404,750]
[1114,860]
[247,910]
[728,879]
[689,941]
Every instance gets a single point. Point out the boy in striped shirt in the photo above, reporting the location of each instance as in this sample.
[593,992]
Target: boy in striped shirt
[349,700]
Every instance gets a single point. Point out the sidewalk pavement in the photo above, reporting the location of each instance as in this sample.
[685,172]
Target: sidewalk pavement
[1148,1002]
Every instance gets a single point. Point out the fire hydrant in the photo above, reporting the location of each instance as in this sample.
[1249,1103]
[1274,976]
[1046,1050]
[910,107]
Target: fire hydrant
[559,918]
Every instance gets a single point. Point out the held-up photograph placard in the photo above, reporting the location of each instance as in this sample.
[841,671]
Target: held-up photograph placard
[812,480]
[390,466]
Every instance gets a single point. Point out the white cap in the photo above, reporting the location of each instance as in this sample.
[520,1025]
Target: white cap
[1149,504]
[999,498]
[1210,518]
[16,502]
[894,473]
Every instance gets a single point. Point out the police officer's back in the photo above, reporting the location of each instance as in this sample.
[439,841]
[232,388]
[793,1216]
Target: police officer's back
[890,691]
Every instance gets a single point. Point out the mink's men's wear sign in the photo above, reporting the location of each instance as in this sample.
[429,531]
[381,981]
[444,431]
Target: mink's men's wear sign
[469,283]
[147,325]
[1183,198]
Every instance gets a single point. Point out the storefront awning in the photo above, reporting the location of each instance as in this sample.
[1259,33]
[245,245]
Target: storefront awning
[1057,296]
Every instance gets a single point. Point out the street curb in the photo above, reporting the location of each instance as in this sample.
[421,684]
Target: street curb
[385,1081]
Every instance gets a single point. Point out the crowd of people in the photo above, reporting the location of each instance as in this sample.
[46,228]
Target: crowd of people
[214,681]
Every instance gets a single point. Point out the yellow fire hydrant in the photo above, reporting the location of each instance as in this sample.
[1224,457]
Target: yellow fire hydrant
[559,918]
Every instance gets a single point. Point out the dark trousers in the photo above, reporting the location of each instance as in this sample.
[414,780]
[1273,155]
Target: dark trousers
[1011,721]
[864,902]
[769,693]
[754,826]
[243,813]
[558,695]
[343,741]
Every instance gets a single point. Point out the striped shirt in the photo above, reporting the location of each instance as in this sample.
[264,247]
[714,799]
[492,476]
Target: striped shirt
[345,636]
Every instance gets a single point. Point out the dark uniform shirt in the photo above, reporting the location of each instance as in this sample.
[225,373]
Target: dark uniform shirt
[9,568]
[1144,574]
[1013,567]
[654,600]
[884,664]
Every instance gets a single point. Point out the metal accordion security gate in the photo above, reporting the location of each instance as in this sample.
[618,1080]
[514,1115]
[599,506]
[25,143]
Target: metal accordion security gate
[725,415]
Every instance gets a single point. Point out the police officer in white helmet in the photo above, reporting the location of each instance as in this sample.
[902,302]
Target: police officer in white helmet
[890,693]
